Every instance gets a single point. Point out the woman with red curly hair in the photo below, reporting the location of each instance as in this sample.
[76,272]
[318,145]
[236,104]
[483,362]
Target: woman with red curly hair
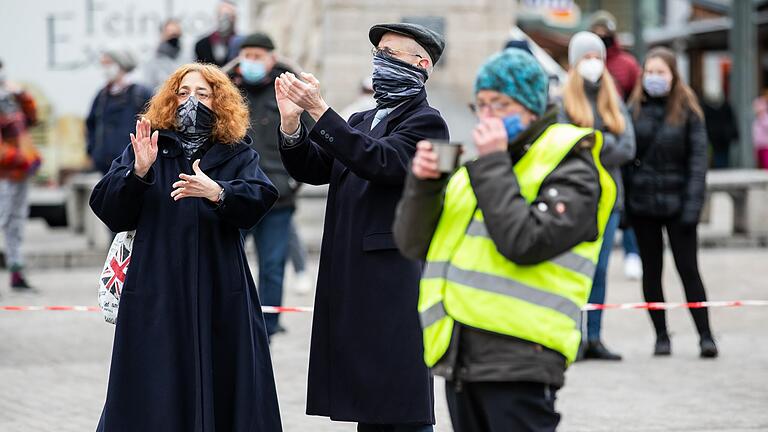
[190,350]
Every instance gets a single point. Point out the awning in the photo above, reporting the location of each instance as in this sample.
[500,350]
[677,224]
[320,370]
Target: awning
[704,34]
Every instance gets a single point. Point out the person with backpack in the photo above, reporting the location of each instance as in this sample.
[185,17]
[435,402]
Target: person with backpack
[114,110]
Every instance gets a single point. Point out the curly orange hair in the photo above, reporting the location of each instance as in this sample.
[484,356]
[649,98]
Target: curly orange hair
[232,120]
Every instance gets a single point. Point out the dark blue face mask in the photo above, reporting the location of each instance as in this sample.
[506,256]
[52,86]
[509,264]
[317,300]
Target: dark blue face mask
[514,125]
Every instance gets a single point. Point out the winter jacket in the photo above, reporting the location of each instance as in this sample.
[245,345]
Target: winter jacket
[623,68]
[265,121]
[165,62]
[204,48]
[524,233]
[722,129]
[760,124]
[19,158]
[617,149]
[668,176]
[111,120]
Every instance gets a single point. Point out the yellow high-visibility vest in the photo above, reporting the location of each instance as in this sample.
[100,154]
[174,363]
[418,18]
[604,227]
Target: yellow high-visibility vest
[467,280]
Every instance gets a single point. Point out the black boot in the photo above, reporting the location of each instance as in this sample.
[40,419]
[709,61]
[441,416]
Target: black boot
[20,284]
[708,347]
[596,350]
[663,346]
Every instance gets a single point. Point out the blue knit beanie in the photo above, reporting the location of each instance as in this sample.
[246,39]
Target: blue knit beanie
[518,75]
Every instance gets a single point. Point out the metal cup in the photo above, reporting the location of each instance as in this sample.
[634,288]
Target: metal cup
[447,155]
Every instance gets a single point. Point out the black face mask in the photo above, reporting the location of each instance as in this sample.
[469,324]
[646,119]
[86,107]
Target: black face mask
[170,48]
[174,41]
[194,124]
[608,40]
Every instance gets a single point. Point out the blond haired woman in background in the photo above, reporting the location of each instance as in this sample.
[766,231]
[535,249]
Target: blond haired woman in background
[590,99]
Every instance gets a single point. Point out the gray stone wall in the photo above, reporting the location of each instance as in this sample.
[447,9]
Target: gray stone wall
[330,37]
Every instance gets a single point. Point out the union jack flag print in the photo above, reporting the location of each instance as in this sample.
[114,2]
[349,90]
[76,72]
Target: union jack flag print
[114,275]
[112,278]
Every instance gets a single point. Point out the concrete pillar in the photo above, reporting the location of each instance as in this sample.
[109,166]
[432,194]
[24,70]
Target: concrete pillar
[743,47]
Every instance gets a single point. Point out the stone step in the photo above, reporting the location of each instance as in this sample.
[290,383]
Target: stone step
[46,247]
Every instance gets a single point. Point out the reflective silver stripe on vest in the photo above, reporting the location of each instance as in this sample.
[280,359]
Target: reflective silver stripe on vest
[433,314]
[569,260]
[503,286]
[477,229]
[577,263]
[435,269]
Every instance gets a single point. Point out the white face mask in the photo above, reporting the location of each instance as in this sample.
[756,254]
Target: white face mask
[111,71]
[591,69]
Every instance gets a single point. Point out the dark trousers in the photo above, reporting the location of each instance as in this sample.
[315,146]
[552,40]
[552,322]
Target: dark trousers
[683,239]
[297,252]
[271,237]
[721,158]
[362,427]
[502,407]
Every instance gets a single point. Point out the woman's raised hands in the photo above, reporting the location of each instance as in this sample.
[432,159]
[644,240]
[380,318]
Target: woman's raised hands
[144,144]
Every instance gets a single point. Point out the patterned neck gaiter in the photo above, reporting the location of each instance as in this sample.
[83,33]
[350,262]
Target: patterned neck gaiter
[194,125]
[395,81]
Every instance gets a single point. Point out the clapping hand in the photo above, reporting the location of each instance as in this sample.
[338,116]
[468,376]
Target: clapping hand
[290,113]
[305,95]
[144,144]
[197,185]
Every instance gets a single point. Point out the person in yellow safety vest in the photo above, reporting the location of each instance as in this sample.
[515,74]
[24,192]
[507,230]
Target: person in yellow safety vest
[510,240]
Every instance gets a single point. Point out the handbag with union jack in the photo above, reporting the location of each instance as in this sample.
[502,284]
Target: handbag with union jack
[113,275]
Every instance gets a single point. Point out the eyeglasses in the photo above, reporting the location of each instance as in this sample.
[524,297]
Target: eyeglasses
[495,107]
[389,52]
[202,95]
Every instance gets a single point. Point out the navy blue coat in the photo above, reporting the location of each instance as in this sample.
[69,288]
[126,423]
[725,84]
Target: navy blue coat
[190,352]
[366,357]
[111,119]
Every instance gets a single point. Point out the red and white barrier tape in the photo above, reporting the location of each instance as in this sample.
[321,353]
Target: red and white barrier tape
[265,309]
[588,307]
[281,309]
[671,305]
[50,308]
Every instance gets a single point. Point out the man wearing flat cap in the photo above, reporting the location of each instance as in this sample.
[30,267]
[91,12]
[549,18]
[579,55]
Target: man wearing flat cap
[365,361]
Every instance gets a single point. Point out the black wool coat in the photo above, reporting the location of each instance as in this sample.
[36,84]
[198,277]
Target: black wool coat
[366,358]
[190,352]
[265,118]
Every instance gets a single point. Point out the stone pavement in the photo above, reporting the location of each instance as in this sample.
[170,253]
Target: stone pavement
[54,365]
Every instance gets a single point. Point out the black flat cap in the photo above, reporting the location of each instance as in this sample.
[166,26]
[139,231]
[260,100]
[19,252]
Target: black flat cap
[258,40]
[432,42]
